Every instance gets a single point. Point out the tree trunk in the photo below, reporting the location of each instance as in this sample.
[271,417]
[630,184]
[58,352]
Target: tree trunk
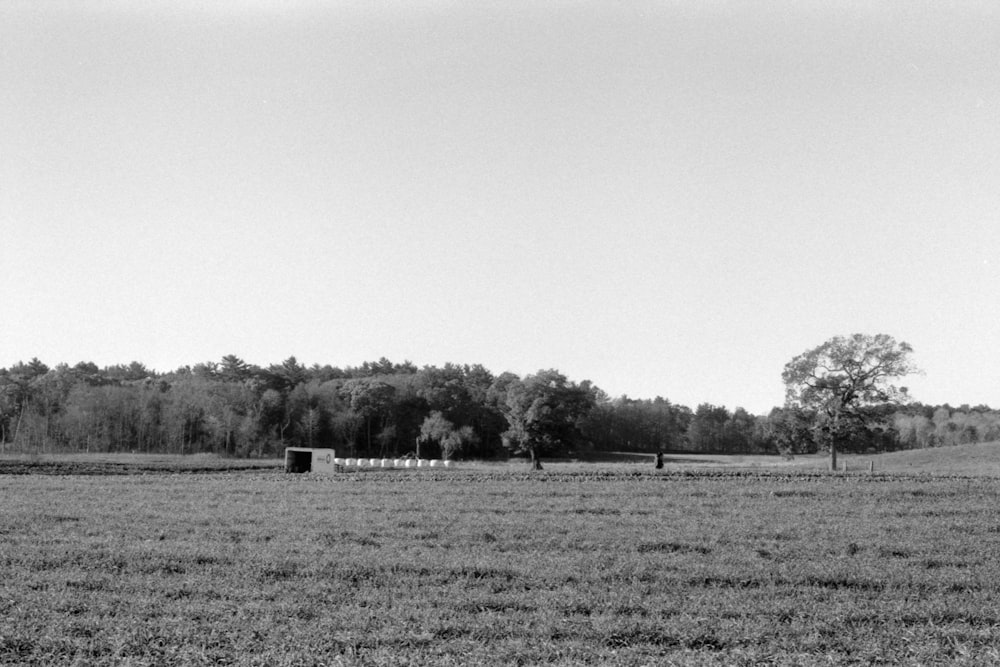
[368,423]
[17,427]
[536,463]
[834,436]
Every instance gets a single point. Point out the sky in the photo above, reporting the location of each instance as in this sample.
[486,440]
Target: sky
[665,198]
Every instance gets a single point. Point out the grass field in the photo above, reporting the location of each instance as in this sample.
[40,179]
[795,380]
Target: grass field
[493,565]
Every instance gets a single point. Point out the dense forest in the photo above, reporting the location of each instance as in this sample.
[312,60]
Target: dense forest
[381,408]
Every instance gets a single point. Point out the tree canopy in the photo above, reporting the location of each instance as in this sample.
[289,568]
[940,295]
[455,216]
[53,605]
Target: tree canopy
[544,412]
[235,408]
[842,379]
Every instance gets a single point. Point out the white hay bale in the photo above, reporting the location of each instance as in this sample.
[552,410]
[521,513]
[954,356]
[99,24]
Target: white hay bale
[447,463]
[386,463]
[408,464]
[338,462]
[350,462]
[375,463]
[434,463]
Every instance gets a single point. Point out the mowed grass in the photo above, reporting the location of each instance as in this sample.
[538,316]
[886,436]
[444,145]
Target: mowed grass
[470,567]
[978,459]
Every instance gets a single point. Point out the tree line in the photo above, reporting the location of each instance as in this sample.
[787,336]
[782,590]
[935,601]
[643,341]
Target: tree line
[381,408]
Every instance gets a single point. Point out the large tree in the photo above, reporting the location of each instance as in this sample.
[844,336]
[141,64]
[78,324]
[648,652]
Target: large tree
[450,440]
[544,412]
[372,400]
[842,379]
[705,432]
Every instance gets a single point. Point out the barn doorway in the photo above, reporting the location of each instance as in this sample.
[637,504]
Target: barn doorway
[298,460]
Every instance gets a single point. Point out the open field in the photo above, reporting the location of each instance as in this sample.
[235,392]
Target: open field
[965,460]
[481,566]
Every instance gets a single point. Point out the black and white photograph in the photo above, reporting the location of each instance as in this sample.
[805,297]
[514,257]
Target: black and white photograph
[440,332]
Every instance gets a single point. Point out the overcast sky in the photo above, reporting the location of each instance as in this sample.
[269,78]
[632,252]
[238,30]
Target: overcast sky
[665,198]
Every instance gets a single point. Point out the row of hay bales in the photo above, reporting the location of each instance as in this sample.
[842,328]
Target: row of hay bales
[392,463]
